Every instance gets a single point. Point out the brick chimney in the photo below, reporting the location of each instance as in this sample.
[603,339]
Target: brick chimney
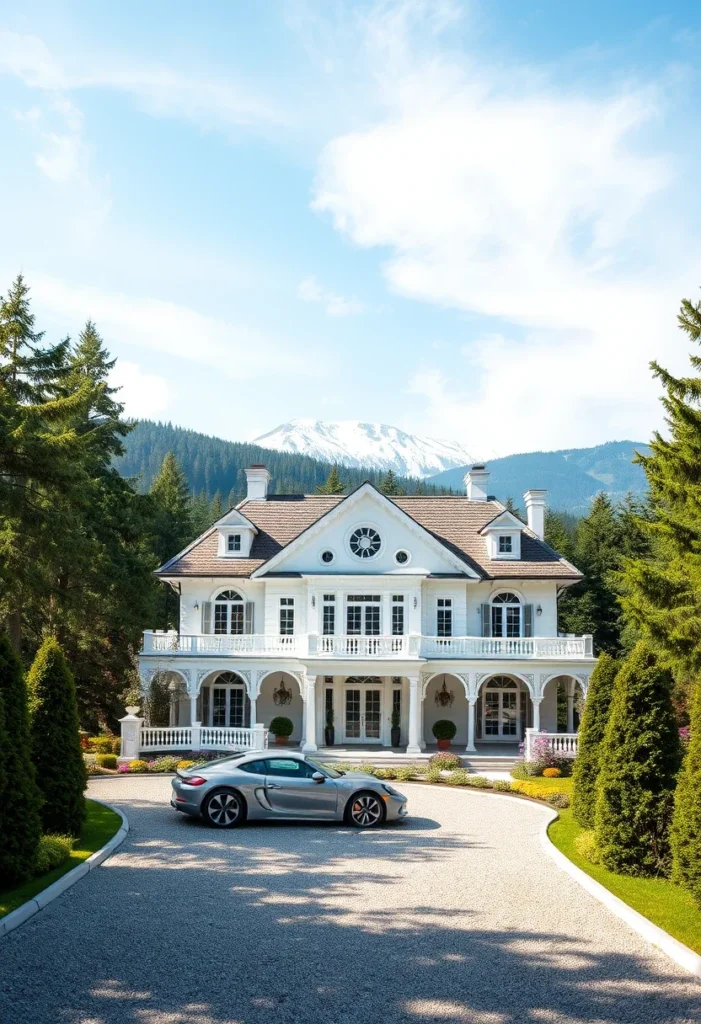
[257,478]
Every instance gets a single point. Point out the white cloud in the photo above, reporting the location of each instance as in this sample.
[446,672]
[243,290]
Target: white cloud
[145,395]
[498,193]
[233,350]
[310,290]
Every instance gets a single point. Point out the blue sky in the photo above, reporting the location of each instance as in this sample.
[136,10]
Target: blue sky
[472,221]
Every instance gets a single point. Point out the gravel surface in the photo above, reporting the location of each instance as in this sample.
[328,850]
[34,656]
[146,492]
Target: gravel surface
[454,915]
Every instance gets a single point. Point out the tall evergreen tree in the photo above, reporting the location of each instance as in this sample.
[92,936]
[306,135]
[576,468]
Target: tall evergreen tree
[55,741]
[20,823]
[389,485]
[686,823]
[662,592]
[171,497]
[333,483]
[216,510]
[591,734]
[639,761]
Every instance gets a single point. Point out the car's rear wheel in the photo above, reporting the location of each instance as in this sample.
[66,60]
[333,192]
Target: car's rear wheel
[365,810]
[224,809]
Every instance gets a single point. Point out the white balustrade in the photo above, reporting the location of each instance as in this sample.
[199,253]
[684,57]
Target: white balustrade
[156,738]
[175,737]
[313,645]
[562,744]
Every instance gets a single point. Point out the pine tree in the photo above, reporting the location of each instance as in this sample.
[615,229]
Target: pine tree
[591,734]
[389,486]
[662,592]
[55,741]
[511,506]
[333,484]
[216,510]
[171,496]
[20,823]
[686,823]
[560,534]
[639,760]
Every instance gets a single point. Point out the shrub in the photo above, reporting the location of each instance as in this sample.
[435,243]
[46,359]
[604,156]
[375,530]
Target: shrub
[56,750]
[525,770]
[445,761]
[458,778]
[591,735]
[444,729]
[686,825]
[501,786]
[478,782]
[367,767]
[122,769]
[117,746]
[421,767]
[102,744]
[434,775]
[20,798]
[184,764]
[107,760]
[640,758]
[537,792]
[552,773]
[281,726]
[403,773]
[52,852]
[164,764]
[585,844]
[138,766]
[558,799]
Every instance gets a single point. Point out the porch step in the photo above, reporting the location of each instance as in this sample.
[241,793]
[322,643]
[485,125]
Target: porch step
[388,758]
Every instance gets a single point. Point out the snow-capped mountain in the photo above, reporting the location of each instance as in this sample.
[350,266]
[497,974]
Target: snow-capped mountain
[375,445]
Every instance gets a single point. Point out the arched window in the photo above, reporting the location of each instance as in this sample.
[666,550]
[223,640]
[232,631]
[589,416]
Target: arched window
[507,615]
[228,612]
[225,704]
[501,683]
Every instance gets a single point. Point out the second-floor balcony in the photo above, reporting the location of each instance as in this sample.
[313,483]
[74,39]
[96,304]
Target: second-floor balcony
[314,646]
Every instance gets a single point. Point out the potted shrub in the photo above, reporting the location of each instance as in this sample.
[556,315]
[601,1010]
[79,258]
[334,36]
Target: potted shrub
[444,731]
[396,733]
[281,728]
[329,731]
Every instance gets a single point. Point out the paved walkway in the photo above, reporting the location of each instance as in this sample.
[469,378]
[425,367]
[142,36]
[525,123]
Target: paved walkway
[456,915]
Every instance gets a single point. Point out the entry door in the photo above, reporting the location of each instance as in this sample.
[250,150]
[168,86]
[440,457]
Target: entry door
[363,715]
[501,715]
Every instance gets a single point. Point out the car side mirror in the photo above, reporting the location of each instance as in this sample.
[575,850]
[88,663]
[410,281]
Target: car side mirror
[319,777]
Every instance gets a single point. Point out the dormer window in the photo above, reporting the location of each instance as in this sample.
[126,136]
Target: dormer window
[233,543]
[503,536]
[506,544]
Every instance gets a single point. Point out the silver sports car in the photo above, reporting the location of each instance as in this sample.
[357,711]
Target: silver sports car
[268,784]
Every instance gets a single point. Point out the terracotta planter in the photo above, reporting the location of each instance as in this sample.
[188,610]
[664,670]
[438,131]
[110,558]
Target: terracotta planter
[281,741]
[443,744]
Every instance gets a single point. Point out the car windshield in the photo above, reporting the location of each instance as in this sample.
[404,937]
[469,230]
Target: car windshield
[325,768]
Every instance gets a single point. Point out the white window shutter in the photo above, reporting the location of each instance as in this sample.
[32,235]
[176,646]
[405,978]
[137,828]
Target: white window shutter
[528,620]
[486,620]
[248,617]
[206,616]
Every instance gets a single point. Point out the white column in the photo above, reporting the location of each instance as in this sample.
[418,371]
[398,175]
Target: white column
[309,745]
[536,713]
[386,625]
[413,746]
[570,705]
[130,731]
[422,725]
[193,708]
[253,711]
[471,748]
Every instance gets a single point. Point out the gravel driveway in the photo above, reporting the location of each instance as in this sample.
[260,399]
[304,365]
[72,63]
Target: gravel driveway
[455,915]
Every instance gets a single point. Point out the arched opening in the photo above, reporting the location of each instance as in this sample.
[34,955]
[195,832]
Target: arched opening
[223,702]
[504,710]
[562,704]
[166,701]
[445,699]
[280,696]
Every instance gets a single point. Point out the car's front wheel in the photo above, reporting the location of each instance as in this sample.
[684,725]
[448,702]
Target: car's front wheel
[224,809]
[365,810]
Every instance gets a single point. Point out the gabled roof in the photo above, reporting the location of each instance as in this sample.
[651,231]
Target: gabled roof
[454,521]
[503,521]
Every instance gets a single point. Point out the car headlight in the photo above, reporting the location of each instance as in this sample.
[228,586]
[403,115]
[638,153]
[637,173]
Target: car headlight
[388,789]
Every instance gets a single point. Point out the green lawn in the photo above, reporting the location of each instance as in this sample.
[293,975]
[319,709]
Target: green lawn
[100,825]
[665,904]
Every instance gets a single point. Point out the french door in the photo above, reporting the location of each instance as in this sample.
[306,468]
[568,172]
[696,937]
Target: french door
[501,715]
[363,718]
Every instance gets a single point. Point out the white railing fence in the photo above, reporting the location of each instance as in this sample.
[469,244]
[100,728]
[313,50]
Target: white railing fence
[156,642]
[562,744]
[363,646]
[138,739]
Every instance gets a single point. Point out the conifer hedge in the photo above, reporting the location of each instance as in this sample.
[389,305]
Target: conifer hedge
[20,800]
[640,758]
[686,824]
[591,734]
[56,749]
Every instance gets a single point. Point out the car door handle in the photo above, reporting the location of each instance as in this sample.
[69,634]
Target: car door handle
[273,785]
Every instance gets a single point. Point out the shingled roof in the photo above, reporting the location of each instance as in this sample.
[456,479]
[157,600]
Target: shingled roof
[454,521]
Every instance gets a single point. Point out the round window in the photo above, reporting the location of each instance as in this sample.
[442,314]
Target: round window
[401,557]
[327,557]
[365,542]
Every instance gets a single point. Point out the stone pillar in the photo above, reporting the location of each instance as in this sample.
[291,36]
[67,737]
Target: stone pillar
[413,746]
[536,713]
[259,737]
[130,732]
[471,748]
[570,705]
[309,745]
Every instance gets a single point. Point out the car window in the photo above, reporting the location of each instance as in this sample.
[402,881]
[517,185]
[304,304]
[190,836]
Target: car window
[289,768]
[254,767]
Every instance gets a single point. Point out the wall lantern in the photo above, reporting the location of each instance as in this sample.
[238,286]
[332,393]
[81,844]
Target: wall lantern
[539,610]
[313,601]
[416,600]
[197,606]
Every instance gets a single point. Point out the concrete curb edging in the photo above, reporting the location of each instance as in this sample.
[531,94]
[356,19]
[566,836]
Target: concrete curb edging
[42,899]
[673,948]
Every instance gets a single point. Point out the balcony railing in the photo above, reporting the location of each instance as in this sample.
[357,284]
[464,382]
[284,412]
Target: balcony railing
[311,645]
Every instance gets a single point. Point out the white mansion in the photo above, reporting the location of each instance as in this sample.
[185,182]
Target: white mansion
[368,611]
